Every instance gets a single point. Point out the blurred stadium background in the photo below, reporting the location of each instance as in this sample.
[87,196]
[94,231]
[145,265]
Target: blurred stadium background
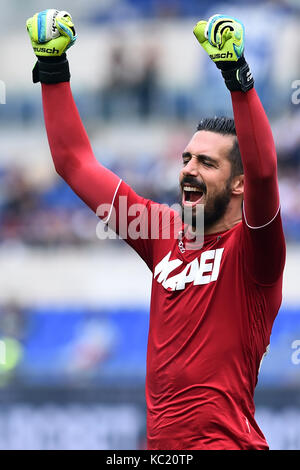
[73,308]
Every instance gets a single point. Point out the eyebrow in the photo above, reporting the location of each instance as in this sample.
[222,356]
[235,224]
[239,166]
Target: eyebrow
[199,157]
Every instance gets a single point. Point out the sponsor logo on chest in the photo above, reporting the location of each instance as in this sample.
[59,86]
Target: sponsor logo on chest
[202,270]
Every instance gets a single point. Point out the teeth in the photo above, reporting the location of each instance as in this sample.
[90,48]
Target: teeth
[190,188]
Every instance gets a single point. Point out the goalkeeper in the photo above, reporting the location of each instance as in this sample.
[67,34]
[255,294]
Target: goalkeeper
[212,307]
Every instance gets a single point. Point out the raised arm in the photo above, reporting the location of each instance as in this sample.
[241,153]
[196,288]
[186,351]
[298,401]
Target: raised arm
[52,33]
[263,246]
[261,195]
[71,150]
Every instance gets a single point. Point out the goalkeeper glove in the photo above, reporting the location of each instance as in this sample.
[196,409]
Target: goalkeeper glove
[51,33]
[222,37]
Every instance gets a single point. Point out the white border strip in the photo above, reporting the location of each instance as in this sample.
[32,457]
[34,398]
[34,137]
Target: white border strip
[261,226]
[112,204]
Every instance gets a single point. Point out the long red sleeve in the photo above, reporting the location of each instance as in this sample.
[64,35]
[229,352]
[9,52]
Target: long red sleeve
[265,246]
[96,185]
[261,197]
[71,150]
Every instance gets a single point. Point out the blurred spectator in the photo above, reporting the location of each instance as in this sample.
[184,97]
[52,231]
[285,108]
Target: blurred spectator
[13,331]
[34,216]
[12,321]
[146,84]
[117,95]
[131,84]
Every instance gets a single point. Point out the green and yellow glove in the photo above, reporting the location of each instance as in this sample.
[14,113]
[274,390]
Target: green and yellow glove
[222,37]
[51,33]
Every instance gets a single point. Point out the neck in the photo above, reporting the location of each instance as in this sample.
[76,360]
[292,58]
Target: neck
[222,226]
[232,217]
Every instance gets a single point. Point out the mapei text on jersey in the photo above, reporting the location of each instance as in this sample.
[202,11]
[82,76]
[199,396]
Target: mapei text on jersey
[201,270]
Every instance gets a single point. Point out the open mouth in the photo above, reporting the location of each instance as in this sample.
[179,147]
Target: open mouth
[192,195]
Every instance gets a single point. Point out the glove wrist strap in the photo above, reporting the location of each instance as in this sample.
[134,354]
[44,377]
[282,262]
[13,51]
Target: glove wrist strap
[51,70]
[238,78]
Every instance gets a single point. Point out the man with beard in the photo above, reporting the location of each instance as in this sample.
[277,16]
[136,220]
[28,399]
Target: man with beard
[215,203]
[212,305]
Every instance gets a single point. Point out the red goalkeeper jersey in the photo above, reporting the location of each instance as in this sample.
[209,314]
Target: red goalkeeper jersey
[212,309]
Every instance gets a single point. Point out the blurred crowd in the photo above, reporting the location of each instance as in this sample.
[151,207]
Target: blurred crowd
[142,84]
[54,215]
[111,9]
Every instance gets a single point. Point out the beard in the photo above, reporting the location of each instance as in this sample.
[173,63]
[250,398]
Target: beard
[214,208]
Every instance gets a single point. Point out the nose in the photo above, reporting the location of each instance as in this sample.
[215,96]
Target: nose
[191,168]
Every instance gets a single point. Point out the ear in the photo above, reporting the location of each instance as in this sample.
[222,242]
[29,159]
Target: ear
[237,185]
